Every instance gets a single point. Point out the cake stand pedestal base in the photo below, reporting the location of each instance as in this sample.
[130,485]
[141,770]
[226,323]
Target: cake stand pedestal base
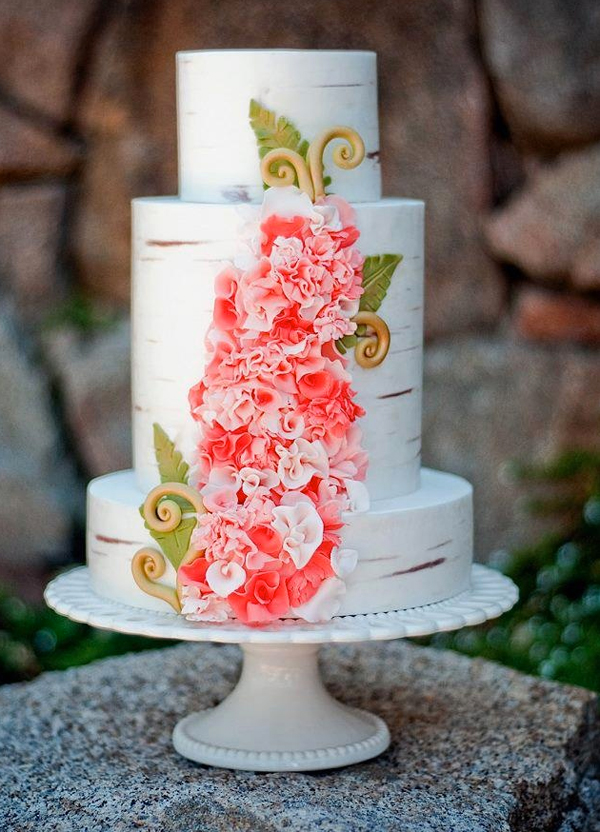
[280,717]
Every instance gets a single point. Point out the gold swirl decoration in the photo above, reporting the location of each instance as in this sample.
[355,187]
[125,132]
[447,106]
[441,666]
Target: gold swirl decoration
[163,514]
[282,166]
[290,166]
[373,347]
[346,156]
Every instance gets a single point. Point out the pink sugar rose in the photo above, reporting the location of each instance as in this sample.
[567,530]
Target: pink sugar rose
[194,573]
[274,227]
[322,247]
[331,323]
[225,314]
[350,461]
[346,212]
[305,582]
[306,288]
[300,528]
[199,606]
[220,499]
[285,254]
[222,535]
[317,385]
[300,461]
[260,297]
[262,599]
[266,539]
[225,577]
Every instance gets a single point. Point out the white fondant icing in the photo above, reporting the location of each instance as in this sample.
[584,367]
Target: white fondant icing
[315,89]
[179,247]
[412,550]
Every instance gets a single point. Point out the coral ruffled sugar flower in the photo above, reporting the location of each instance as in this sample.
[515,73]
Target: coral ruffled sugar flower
[280,450]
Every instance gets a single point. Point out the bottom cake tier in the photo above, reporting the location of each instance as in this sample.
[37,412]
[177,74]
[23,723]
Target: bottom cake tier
[412,550]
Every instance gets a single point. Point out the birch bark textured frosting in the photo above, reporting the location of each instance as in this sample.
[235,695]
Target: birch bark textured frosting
[405,540]
[316,88]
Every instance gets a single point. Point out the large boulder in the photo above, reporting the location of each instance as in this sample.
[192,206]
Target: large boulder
[543,59]
[550,229]
[41,50]
[435,119]
[475,747]
[28,150]
[36,483]
[541,315]
[92,371]
[31,220]
[489,403]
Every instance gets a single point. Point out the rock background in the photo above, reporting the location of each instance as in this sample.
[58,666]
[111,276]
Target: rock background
[490,111]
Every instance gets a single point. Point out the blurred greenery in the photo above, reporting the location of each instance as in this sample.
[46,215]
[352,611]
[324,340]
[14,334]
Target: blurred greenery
[33,639]
[554,631]
[77,311]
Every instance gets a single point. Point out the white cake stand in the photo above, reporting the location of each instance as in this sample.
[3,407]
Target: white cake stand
[280,717]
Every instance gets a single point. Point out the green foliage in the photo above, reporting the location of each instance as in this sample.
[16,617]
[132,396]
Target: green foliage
[171,465]
[554,631]
[80,313]
[172,468]
[378,270]
[272,133]
[34,639]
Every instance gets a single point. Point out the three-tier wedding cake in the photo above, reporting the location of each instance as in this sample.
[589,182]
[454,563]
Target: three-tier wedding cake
[277,309]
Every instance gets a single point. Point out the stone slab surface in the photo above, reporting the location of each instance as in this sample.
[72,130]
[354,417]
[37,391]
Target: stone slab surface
[475,748]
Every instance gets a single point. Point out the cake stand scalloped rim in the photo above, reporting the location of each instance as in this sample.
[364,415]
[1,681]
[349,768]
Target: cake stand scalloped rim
[490,595]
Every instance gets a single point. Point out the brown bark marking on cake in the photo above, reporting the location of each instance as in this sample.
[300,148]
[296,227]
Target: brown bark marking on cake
[170,243]
[151,259]
[236,194]
[103,539]
[430,564]
[374,154]
[395,395]
[439,545]
[333,86]
[413,439]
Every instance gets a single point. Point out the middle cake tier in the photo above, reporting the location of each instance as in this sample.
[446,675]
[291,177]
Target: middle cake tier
[179,248]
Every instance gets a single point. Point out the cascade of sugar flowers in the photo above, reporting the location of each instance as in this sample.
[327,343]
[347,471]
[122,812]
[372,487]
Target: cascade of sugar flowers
[279,456]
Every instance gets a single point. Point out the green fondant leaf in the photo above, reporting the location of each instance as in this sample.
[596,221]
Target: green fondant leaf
[176,543]
[378,270]
[171,465]
[272,132]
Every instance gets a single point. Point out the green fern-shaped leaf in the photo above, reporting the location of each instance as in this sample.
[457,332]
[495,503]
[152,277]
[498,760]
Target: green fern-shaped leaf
[378,271]
[171,465]
[273,132]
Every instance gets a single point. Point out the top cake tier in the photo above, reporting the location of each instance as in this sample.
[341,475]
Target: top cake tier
[314,89]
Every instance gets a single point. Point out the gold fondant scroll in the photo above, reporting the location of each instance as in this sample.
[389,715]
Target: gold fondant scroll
[373,347]
[346,156]
[163,514]
[291,166]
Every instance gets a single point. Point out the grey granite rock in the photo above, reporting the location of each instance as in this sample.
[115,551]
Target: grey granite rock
[475,748]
